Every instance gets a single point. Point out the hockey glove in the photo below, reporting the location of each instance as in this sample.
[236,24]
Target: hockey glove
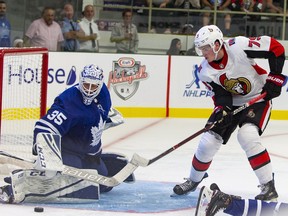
[273,85]
[221,116]
[115,118]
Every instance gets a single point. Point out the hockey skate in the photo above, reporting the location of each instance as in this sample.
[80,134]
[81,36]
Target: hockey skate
[204,199]
[6,194]
[219,201]
[188,186]
[212,200]
[268,192]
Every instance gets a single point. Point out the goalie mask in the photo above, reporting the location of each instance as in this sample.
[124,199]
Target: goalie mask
[208,35]
[90,83]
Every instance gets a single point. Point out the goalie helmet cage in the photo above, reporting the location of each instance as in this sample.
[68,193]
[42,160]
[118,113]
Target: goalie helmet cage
[23,90]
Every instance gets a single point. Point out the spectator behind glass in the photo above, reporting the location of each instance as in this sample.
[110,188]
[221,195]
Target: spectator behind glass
[5,27]
[187,4]
[175,47]
[125,34]
[187,29]
[71,29]
[102,25]
[187,17]
[44,32]
[248,6]
[18,42]
[191,52]
[90,41]
[272,6]
[161,19]
[240,5]
[222,5]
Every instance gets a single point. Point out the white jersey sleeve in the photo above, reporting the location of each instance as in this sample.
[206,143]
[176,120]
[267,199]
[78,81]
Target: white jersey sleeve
[238,72]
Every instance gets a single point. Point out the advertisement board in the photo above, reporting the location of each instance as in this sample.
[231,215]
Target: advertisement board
[147,85]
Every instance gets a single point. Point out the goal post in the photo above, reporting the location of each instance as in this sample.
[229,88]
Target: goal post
[23,90]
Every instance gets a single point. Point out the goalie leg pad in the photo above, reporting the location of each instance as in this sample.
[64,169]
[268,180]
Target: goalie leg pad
[114,163]
[18,186]
[37,186]
[48,152]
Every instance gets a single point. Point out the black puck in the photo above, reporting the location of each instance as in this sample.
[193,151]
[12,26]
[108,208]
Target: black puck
[38,209]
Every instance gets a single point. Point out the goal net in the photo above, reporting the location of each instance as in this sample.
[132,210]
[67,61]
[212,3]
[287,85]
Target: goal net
[23,90]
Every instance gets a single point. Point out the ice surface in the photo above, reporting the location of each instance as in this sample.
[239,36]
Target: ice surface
[150,195]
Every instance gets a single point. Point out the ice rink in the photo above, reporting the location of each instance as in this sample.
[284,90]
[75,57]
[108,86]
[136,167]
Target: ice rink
[150,194]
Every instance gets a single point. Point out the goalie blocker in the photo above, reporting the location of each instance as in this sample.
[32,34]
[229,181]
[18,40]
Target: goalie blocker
[48,182]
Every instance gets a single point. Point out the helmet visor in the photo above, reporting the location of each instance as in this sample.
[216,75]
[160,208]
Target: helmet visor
[203,49]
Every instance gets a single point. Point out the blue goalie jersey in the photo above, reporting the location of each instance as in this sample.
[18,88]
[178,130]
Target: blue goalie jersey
[80,126]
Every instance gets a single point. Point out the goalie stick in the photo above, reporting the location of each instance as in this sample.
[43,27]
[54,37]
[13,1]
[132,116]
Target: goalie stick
[89,175]
[146,162]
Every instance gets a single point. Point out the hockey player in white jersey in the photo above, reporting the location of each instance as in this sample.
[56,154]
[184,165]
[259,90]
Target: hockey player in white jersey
[231,73]
[78,116]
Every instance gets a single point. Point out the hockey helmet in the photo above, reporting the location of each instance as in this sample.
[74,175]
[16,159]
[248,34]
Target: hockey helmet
[90,83]
[208,35]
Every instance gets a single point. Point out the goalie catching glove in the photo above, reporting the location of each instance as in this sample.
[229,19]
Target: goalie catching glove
[221,116]
[115,118]
[273,85]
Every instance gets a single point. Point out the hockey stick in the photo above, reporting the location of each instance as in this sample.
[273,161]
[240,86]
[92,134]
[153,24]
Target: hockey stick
[146,162]
[89,174]
[136,159]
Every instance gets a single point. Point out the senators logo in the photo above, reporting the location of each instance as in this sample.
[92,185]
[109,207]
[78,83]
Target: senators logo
[238,86]
[251,113]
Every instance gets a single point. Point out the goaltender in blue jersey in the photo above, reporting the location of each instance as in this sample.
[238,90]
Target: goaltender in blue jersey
[78,116]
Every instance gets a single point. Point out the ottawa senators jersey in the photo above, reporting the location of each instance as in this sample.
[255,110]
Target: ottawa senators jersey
[237,72]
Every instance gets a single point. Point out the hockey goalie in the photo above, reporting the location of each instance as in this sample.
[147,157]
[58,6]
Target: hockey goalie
[70,134]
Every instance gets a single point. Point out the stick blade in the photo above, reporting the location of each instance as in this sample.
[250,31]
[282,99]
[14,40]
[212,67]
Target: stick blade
[139,161]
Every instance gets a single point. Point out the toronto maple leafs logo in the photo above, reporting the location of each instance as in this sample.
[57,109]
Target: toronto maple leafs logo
[92,72]
[97,132]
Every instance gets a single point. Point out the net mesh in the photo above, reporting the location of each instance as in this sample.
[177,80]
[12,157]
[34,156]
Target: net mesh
[21,102]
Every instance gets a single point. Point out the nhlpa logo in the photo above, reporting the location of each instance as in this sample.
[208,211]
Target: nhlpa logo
[193,88]
[126,76]
[195,79]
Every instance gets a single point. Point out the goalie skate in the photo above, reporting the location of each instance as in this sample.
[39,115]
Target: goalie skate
[6,194]
[204,198]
